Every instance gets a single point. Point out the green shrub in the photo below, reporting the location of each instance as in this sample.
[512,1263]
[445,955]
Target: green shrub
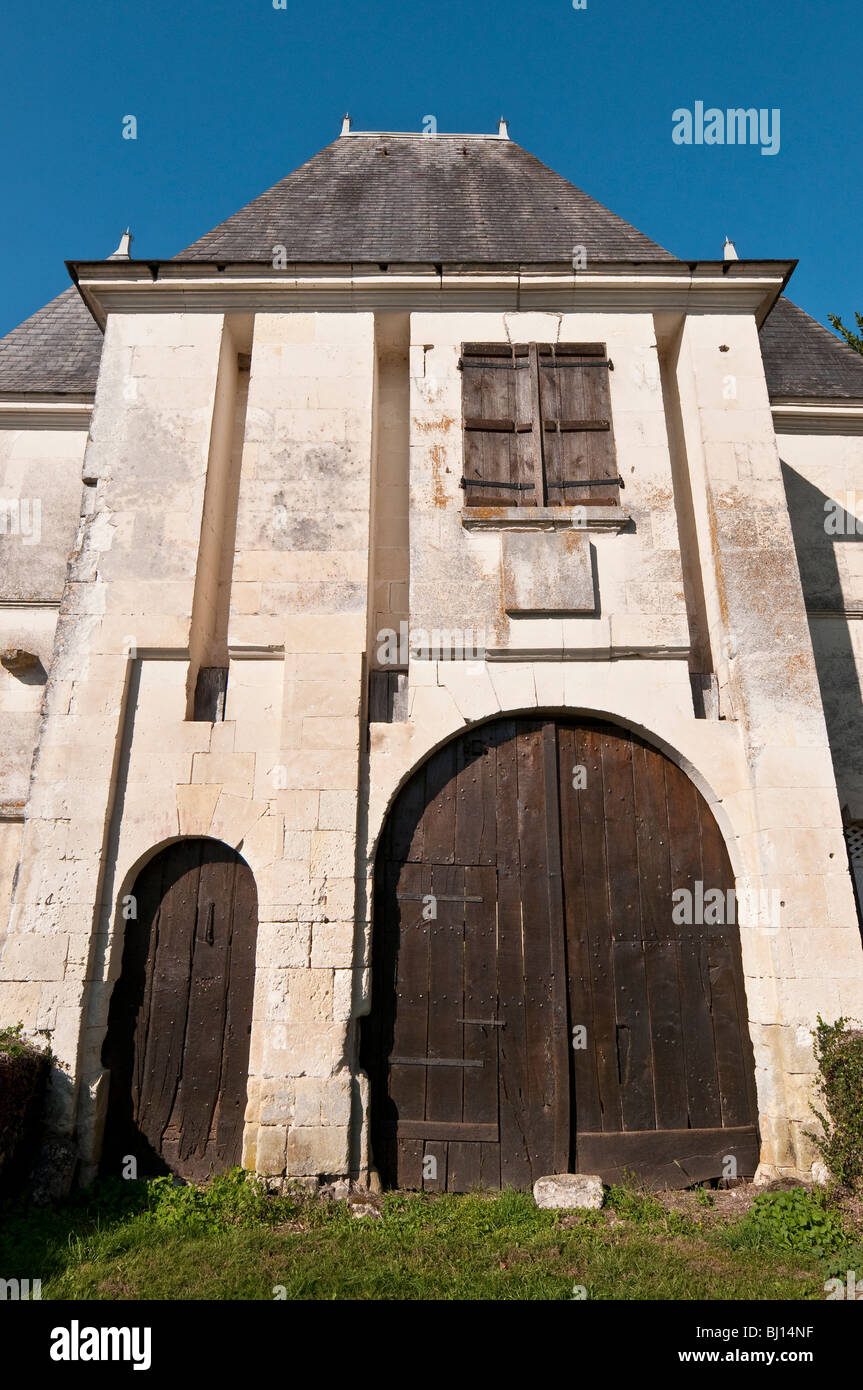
[229,1199]
[23,1073]
[798,1222]
[839,1052]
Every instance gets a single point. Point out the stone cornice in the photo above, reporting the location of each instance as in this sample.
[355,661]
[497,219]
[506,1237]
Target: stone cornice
[200,287]
[45,413]
[817,417]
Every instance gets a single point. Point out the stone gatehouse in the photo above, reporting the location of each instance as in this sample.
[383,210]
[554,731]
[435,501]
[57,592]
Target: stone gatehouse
[430,688]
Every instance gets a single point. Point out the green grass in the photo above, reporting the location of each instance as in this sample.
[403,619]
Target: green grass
[231,1241]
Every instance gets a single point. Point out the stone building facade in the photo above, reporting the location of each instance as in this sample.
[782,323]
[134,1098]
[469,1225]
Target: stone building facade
[250,459]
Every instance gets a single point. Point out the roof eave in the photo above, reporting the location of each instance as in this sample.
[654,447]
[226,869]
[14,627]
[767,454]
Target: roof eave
[45,410]
[817,414]
[222,286]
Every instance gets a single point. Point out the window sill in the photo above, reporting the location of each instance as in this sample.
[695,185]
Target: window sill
[610,518]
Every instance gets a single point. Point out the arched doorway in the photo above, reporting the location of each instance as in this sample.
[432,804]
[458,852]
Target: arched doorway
[540,1002]
[180,1017]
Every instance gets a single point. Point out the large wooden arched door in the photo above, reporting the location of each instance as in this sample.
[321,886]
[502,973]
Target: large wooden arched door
[536,1008]
[180,1018]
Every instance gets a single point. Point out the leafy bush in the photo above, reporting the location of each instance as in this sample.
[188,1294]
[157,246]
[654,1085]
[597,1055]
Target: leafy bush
[229,1199]
[839,1052]
[799,1222]
[23,1074]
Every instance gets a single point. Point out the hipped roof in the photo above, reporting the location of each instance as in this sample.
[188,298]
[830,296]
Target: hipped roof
[380,198]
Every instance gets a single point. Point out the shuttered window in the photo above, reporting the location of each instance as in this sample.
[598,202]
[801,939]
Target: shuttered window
[537,425]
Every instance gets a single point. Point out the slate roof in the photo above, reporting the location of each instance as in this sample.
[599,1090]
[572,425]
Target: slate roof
[802,358]
[56,351]
[417,198]
[381,198]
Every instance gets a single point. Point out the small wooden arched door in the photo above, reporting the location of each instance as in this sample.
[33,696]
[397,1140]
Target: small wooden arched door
[180,1019]
[536,1007]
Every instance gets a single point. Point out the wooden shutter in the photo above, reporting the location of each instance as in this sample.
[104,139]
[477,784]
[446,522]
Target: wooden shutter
[498,426]
[578,440]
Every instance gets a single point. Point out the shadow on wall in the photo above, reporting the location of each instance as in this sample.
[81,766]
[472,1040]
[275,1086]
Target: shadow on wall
[25,666]
[819,524]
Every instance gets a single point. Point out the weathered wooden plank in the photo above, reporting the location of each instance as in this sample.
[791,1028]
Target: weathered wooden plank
[667,1031]
[537,432]
[169,999]
[463,1165]
[598,446]
[585,1108]
[634,1052]
[124,1049]
[540,1109]
[238,1021]
[669,1158]
[444,1130]
[702,1084]
[403,835]
[564,350]
[734,1061]
[620,836]
[445,1085]
[632,1023]
[438,818]
[660,944]
[524,444]
[409,942]
[557,951]
[488,396]
[651,832]
[211,689]
[569,455]
[199,1085]
[438,1151]
[408,1171]
[475,821]
[480,996]
[702,1087]
[515,1169]
[603,1036]
[489,1165]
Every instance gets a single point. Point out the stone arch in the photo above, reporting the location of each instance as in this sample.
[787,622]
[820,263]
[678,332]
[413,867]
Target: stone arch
[675,749]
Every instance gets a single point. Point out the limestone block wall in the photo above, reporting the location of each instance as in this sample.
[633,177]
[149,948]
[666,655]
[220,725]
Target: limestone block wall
[122,770]
[301,584]
[822,476]
[128,588]
[788,812]
[456,572]
[40,501]
[40,504]
[764,765]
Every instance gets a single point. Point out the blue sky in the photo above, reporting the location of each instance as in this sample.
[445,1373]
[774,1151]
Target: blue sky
[230,97]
